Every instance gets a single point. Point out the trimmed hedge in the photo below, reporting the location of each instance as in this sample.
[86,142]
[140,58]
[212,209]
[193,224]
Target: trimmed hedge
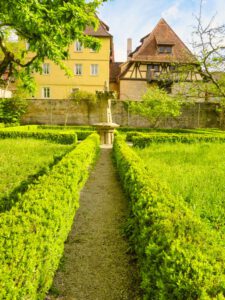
[61,137]
[171,130]
[33,232]
[82,132]
[61,127]
[180,256]
[142,140]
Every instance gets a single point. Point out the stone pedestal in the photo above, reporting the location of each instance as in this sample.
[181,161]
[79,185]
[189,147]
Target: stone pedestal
[106,132]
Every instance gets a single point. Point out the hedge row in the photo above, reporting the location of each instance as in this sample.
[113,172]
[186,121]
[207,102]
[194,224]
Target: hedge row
[143,140]
[179,256]
[170,130]
[61,127]
[82,132]
[33,232]
[65,137]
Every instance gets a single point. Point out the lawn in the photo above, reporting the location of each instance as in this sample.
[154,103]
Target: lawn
[20,162]
[196,171]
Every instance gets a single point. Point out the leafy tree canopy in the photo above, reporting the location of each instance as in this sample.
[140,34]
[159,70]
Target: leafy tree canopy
[156,103]
[49,26]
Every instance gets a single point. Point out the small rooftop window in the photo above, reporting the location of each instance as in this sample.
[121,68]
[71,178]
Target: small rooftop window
[165,49]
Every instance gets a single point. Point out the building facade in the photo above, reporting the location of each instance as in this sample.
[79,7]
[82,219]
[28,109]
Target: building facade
[157,61]
[90,69]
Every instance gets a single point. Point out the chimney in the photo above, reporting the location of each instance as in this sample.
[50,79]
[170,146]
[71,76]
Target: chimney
[129,47]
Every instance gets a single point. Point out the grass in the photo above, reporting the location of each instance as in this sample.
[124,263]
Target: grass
[21,161]
[196,171]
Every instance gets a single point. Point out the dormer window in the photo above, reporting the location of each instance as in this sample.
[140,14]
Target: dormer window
[165,49]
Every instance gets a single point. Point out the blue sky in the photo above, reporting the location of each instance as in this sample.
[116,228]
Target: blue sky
[136,18]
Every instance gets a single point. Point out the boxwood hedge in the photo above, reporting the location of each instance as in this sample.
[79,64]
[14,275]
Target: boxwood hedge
[33,232]
[62,137]
[142,140]
[179,256]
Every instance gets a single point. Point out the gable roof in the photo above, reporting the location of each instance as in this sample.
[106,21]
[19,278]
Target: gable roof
[102,31]
[162,34]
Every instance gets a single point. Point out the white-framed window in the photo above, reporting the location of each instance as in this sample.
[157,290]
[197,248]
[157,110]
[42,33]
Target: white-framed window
[94,69]
[78,70]
[46,92]
[46,68]
[78,46]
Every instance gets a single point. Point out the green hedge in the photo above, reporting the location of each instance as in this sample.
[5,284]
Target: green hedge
[171,130]
[179,256]
[143,140]
[82,132]
[61,127]
[33,232]
[62,137]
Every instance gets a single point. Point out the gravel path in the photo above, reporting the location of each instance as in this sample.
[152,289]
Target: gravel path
[96,264]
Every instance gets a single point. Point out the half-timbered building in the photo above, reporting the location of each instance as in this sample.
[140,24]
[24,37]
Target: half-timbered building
[161,59]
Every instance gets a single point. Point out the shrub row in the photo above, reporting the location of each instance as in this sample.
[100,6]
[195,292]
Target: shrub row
[33,232]
[179,256]
[142,140]
[82,132]
[62,137]
[170,130]
[61,127]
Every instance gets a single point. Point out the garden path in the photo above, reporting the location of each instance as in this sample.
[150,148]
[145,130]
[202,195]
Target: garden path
[96,264]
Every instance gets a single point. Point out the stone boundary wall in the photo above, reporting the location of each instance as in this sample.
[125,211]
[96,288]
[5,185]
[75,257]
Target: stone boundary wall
[84,113]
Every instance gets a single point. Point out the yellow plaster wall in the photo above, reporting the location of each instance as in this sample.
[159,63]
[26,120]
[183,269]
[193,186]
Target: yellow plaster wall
[61,85]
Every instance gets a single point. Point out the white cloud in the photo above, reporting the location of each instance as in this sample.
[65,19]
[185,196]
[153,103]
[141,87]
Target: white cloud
[135,19]
[172,12]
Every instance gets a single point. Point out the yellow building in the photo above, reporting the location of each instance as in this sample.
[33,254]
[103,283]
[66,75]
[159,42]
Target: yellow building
[90,69]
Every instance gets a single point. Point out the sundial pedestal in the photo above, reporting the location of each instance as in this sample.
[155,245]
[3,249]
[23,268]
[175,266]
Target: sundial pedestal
[106,132]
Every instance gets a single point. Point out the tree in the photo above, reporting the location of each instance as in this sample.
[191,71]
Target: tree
[48,26]
[209,47]
[155,104]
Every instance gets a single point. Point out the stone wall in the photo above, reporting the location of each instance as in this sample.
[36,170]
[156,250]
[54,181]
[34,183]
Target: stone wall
[84,113]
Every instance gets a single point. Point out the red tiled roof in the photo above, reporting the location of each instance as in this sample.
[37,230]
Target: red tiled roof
[114,71]
[103,30]
[162,34]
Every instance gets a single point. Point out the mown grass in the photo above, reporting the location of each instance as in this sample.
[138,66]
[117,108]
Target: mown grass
[196,171]
[21,161]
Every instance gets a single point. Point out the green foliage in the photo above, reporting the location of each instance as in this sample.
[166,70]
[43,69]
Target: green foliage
[33,232]
[78,96]
[49,27]
[156,104]
[196,172]
[82,132]
[143,140]
[22,161]
[179,256]
[105,95]
[58,136]
[12,109]
[169,130]
[60,127]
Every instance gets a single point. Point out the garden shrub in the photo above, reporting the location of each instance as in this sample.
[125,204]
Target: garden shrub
[179,256]
[68,127]
[62,137]
[142,140]
[12,109]
[33,232]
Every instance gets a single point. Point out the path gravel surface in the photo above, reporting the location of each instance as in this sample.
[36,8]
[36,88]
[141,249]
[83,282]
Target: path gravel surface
[97,265]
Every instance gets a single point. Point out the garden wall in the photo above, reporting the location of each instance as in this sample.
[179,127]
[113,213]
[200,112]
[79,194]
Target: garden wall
[84,113]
